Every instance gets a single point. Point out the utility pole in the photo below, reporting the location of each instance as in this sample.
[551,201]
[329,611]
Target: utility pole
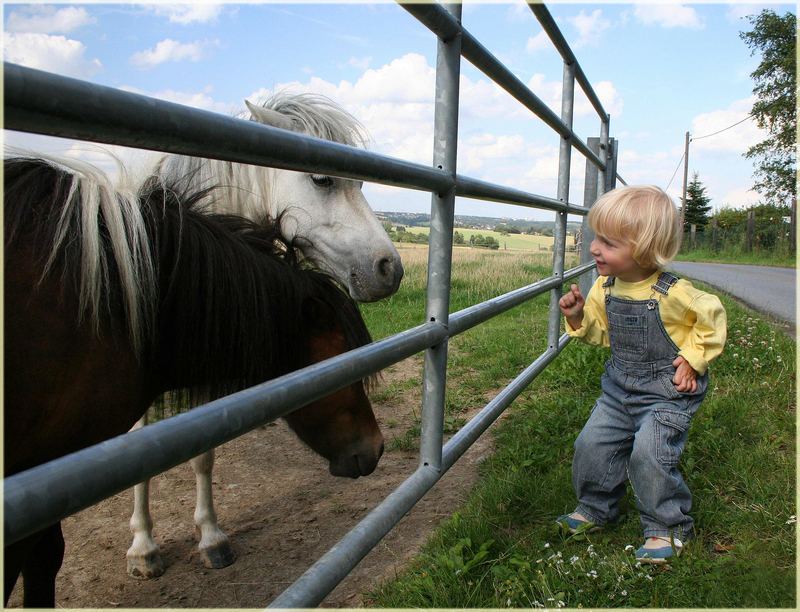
[685,178]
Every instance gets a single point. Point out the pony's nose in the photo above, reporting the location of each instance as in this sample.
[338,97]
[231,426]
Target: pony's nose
[389,271]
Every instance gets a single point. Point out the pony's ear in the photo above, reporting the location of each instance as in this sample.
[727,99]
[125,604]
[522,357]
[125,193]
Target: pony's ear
[269,116]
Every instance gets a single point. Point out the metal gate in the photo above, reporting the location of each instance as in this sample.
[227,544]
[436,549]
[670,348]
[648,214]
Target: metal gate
[45,103]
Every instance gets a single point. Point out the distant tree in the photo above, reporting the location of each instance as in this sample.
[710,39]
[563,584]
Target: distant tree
[458,238]
[491,243]
[774,37]
[697,205]
[400,229]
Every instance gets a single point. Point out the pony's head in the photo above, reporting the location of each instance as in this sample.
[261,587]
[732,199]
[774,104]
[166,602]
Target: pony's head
[239,305]
[340,427]
[330,214]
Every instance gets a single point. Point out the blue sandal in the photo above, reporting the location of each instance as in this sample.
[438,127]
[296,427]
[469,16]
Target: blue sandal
[661,554]
[567,522]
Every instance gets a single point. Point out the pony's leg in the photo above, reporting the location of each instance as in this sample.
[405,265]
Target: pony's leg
[144,558]
[40,568]
[215,548]
[14,556]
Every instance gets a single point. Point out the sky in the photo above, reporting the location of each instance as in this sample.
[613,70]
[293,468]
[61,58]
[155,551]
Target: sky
[660,70]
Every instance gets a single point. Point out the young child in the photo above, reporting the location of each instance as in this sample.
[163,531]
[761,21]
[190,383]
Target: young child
[662,333]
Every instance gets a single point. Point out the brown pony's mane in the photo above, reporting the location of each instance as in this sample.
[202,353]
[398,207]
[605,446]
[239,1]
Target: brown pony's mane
[227,301]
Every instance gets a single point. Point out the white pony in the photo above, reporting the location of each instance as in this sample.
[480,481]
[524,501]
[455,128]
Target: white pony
[338,230]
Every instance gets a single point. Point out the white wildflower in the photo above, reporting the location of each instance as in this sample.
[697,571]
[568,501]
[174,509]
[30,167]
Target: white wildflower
[629,547]
[792,520]
[547,544]
[624,593]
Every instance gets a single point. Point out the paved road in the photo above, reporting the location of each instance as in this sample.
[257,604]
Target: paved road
[767,289]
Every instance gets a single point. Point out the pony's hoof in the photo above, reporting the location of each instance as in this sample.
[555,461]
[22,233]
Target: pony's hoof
[146,566]
[218,556]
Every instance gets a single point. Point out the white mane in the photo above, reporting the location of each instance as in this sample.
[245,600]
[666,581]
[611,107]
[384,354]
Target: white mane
[244,189]
[93,206]
[318,116]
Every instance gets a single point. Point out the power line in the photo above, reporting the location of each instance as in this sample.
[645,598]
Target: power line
[722,130]
[676,171]
[701,137]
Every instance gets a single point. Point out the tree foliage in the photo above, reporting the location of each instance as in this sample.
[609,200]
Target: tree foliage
[697,205]
[775,38]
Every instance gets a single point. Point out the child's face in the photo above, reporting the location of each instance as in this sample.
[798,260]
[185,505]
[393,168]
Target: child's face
[614,258]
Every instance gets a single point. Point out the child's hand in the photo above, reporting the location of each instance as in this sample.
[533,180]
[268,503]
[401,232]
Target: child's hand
[685,378]
[571,305]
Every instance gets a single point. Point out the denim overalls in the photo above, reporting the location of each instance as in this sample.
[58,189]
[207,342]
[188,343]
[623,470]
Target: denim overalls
[637,429]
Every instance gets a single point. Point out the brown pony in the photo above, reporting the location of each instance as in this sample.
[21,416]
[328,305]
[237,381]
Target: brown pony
[114,297]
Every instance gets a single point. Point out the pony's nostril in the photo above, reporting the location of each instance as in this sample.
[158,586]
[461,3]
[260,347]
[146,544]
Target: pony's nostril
[385,267]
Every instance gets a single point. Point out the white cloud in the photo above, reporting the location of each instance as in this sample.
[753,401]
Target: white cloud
[476,150]
[199,12]
[539,42]
[738,198]
[48,19]
[169,50]
[589,27]
[735,140]
[609,97]
[550,93]
[668,16]
[52,53]
[362,63]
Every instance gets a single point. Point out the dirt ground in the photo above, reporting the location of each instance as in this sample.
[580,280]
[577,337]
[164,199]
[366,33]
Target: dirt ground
[281,509]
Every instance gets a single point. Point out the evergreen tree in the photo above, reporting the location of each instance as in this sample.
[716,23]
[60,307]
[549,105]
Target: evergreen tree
[775,111]
[697,205]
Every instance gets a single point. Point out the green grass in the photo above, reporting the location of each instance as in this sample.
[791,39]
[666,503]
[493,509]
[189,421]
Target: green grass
[502,548]
[759,258]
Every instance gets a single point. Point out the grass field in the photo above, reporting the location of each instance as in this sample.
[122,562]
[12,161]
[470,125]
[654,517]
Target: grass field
[512,242]
[758,258]
[502,548]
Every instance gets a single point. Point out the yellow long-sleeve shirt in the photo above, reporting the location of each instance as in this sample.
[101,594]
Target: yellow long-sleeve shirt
[694,320]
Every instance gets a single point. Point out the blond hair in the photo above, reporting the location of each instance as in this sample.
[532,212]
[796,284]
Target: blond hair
[643,217]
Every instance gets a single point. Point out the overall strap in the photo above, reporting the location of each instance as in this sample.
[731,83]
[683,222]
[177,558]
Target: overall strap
[609,282]
[665,282]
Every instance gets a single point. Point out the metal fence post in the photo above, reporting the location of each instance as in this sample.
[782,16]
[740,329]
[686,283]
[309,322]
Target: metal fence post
[602,177]
[590,184]
[560,228]
[445,140]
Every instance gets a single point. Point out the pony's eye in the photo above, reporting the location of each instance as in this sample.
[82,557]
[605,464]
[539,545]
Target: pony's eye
[322,180]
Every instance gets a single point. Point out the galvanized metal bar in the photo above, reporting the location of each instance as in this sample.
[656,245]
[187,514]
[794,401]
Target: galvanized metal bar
[47,493]
[468,434]
[435,18]
[552,30]
[322,577]
[560,227]
[587,235]
[474,315]
[601,177]
[440,251]
[45,103]
[611,163]
[474,188]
